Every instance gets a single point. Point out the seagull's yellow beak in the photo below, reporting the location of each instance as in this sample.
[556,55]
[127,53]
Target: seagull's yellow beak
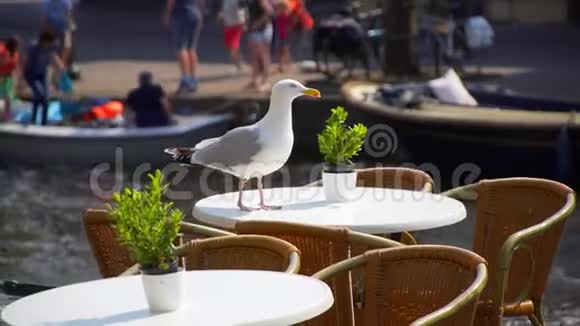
[312,92]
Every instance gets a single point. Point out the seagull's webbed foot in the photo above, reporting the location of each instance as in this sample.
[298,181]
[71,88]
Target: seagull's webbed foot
[270,207]
[248,209]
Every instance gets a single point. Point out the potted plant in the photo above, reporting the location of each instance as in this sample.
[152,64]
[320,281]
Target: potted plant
[339,144]
[149,227]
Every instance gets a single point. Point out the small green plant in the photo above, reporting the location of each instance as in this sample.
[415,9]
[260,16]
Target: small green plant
[339,143]
[147,225]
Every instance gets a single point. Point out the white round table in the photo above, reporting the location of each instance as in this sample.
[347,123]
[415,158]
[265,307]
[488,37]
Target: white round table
[214,298]
[372,210]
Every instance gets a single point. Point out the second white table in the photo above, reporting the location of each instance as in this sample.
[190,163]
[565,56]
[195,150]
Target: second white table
[374,210]
[217,298]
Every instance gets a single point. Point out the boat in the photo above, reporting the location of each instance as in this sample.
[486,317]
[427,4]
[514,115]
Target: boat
[505,134]
[88,147]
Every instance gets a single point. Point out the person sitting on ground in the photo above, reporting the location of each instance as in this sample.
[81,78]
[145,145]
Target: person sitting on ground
[9,64]
[233,17]
[283,24]
[39,57]
[147,104]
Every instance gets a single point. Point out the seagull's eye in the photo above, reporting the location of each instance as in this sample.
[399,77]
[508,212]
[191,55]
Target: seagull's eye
[293,85]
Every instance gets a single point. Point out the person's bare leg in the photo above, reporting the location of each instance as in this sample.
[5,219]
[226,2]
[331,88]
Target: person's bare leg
[284,64]
[254,62]
[262,203]
[240,201]
[193,62]
[287,57]
[279,54]
[236,58]
[6,108]
[65,57]
[265,62]
[184,62]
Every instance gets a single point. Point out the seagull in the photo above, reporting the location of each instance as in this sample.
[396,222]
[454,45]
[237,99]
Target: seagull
[252,151]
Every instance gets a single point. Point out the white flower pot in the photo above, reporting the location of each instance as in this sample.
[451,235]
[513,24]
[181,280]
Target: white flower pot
[164,292]
[339,186]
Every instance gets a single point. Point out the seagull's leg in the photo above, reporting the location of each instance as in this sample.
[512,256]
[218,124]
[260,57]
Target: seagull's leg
[240,204]
[262,204]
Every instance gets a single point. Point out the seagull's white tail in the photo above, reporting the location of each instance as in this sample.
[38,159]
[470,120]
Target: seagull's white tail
[180,154]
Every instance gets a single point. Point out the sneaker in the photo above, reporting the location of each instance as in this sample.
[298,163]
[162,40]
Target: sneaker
[187,85]
[182,86]
[192,84]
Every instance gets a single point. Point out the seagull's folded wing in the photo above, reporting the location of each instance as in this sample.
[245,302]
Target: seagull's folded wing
[206,142]
[235,149]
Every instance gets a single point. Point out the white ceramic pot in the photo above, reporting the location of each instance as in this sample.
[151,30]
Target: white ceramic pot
[339,186]
[164,292]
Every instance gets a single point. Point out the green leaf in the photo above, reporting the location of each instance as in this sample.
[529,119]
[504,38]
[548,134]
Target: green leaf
[145,224]
[337,142]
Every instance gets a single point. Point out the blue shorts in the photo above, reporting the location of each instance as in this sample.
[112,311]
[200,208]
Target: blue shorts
[186,31]
[262,36]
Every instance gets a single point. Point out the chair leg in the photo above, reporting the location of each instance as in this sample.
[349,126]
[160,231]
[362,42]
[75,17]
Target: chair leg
[536,317]
[534,320]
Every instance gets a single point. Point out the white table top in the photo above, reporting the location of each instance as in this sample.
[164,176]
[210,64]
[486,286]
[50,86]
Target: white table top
[212,298]
[375,210]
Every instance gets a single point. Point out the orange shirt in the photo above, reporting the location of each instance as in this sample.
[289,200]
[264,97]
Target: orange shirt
[302,17]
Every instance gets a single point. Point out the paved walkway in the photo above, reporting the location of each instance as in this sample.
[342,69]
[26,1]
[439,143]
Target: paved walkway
[113,47]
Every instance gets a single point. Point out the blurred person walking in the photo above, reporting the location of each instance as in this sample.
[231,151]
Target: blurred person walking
[9,66]
[283,25]
[233,18]
[303,23]
[185,18]
[39,57]
[259,40]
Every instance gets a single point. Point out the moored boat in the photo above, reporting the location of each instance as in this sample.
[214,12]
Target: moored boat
[539,142]
[64,145]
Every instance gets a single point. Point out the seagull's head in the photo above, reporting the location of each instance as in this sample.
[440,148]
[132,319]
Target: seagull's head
[291,89]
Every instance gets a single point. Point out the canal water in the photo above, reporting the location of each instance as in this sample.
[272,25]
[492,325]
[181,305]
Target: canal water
[42,240]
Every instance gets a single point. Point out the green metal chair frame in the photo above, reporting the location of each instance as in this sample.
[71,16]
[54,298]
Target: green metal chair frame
[457,256]
[544,233]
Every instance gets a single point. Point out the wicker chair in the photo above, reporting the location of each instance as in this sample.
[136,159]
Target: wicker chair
[321,247]
[396,178]
[518,228]
[113,258]
[241,252]
[237,252]
[390,177]
[418,285]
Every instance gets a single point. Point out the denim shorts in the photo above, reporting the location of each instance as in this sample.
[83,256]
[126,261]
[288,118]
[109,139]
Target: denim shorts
[186,31]
[262,36]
